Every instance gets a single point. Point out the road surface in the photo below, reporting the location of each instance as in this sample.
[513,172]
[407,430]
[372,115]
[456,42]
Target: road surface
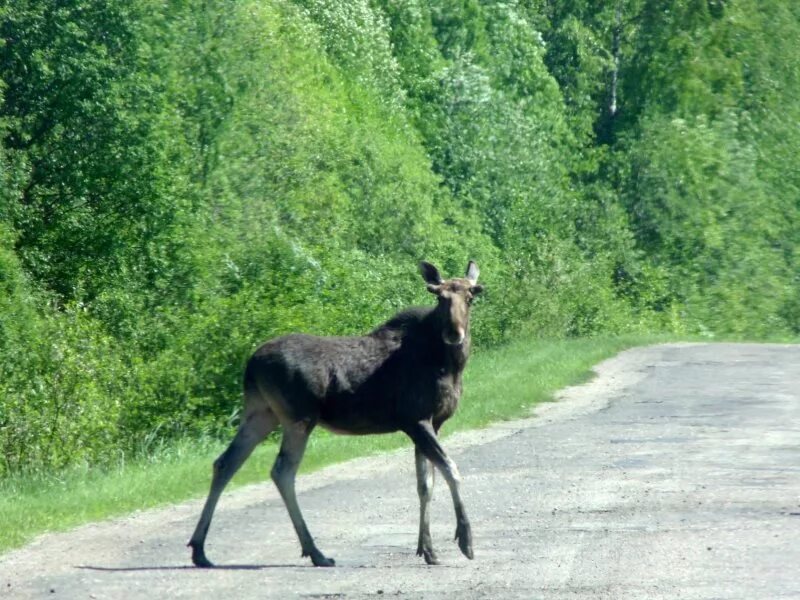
[675,473]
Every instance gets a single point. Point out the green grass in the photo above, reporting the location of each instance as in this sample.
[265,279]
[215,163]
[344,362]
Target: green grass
[502,383]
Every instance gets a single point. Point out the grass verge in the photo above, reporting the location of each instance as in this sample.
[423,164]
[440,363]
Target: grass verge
[502,383]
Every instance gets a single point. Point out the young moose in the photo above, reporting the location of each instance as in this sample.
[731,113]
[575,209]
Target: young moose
[404,376]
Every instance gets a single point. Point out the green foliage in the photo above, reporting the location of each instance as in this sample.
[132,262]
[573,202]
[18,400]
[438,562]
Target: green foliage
[78,106]
[181,181]
[705,176]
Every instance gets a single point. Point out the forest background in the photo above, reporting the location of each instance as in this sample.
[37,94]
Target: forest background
[181,180]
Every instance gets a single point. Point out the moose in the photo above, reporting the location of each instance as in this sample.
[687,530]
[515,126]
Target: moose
[406,375]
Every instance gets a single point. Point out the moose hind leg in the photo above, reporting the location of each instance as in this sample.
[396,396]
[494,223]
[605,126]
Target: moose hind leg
[425,478]
[254,428]
[293,446]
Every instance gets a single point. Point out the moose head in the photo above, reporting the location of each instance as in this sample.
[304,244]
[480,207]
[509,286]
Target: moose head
[455,297]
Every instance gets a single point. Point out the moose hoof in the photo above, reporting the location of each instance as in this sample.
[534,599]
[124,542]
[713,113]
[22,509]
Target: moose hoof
[430,556]
[320,560]
[199,559]
[464,539]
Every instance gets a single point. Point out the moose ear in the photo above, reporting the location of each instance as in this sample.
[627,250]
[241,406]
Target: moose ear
[430,273]
[434,289]
[472,272]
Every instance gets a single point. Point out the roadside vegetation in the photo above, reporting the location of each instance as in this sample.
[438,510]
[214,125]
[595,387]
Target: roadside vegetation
[181,181]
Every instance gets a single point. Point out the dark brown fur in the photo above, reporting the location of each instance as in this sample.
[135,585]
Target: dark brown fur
[404,376]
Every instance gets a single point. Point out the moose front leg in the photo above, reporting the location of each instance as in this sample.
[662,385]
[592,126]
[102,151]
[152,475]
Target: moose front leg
[425,440]
[425,477]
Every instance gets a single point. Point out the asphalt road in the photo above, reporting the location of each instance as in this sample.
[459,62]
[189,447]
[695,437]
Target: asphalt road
[674,474]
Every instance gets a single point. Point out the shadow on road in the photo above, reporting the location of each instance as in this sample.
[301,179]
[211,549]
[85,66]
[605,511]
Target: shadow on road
[244,567]
[188,567]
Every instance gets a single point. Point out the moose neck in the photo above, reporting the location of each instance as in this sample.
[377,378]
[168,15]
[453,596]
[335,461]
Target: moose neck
[457,356]
[454,355]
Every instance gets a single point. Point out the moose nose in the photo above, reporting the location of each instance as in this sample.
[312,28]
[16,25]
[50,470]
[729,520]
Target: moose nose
[454,338]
